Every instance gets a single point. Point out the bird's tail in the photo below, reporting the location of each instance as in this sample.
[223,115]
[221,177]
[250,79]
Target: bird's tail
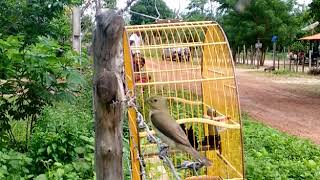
[195,154]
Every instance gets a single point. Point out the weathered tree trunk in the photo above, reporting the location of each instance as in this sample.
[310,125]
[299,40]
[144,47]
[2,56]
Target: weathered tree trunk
[108,94]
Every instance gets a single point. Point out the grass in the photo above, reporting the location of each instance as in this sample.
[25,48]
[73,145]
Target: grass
[270,154]
[281,73]
[245,66]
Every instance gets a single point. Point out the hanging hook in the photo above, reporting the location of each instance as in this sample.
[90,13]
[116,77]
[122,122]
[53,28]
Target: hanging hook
[155,6]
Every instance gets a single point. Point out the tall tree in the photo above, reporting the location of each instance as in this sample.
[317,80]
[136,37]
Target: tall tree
[315,9]
[148,7]
[30,18]
[262,19]
[314,13]
[196,10]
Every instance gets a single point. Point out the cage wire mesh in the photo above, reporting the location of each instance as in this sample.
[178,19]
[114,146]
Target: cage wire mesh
[190,64]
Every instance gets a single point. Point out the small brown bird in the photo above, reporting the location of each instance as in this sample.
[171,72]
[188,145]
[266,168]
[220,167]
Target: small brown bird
[169,131]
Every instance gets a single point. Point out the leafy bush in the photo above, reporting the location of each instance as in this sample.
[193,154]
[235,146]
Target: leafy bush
[297,46]
[34,76]
[14,165]
[270,154]
[60,134]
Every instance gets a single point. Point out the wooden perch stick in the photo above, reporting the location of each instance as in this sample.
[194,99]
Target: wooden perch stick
[108,93]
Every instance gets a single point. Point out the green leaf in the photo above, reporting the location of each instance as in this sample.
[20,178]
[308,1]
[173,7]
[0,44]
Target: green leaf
[57,164]
[60,172]
[41,177]
[79,150]
[41,150]
[62,149]
[54,146]
[49,150]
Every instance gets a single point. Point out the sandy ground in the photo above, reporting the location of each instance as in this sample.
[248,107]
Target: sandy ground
[282,103]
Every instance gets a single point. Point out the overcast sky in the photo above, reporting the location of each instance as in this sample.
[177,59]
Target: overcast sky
[175,4]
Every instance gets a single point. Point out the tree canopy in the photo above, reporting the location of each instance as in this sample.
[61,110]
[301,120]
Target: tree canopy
[148,7]
[32,18]
[261,20]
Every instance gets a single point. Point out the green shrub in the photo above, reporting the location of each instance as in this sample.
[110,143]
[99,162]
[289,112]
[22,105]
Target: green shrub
[14,165]
[60,134]
[270,154]
[281,72]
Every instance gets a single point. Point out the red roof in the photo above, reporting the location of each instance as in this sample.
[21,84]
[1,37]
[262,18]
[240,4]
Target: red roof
[313,37]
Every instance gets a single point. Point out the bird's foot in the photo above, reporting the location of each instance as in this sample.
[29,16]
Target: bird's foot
[163,151]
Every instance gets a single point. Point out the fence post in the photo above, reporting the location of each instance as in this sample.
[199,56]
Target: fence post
[274,54]
[303,61]
[108,93]
[310,59]
[251,55]
[278,62]
[284,59]
[239,58]
[244,51]
[297,64]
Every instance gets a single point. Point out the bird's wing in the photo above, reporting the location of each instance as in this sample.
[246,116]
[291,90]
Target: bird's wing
[169,127]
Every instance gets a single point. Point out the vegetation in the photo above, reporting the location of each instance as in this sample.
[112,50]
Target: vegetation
[270,154]
[62,147]
[148,7]
[46,118]
[261,20]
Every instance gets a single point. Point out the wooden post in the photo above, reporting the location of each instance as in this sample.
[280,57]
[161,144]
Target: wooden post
[289,59]
[274,54]
[239,58]
[303,60]
[244,54]
[108,93]
[251,54]
[317,63]
[284,59]
[310,59]
[297,64]
[247,56]
[278,62]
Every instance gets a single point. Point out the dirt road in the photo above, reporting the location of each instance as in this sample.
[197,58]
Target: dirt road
[281,103]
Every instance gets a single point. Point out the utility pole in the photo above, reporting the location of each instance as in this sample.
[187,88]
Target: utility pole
[76,29]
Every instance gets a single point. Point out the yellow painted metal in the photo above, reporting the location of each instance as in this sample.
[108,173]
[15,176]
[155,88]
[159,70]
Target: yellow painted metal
[205,81]
[134,136]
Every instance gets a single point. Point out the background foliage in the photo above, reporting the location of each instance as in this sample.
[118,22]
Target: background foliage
[46,120]
[148,7]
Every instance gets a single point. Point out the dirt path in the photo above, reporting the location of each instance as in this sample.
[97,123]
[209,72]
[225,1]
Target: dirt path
[280,105]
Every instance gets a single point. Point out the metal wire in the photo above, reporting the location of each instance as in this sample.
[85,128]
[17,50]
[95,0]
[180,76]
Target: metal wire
[155,6]
[144,15]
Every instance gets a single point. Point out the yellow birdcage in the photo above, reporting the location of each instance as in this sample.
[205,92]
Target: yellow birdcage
[189,63]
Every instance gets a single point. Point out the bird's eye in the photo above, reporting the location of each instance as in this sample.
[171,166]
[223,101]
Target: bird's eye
[155,100]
